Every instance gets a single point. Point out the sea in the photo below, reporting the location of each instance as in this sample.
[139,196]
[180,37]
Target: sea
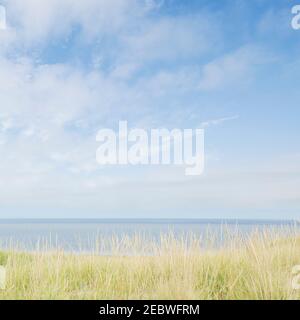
[102,235]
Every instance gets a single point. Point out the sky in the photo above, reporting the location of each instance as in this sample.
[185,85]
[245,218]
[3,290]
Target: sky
[70,68]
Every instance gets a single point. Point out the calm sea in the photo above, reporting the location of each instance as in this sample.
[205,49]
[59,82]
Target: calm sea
[89,235]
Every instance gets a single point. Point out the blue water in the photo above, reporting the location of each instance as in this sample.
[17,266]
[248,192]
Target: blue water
[90,235]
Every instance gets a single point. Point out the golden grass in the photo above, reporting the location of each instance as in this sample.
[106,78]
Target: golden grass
[177,269]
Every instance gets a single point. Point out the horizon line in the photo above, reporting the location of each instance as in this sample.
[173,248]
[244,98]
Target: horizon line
[137,220]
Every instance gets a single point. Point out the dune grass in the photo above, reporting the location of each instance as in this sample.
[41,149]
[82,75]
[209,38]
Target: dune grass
[260,268]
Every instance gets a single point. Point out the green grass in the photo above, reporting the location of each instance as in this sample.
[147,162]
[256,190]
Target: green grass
[258,269]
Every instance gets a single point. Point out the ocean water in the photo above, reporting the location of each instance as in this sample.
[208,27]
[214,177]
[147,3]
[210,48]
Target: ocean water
[101,236]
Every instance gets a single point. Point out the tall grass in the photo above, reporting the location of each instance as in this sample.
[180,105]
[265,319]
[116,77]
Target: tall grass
[257,268]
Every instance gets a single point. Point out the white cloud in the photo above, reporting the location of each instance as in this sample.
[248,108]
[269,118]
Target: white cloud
[49,113]
[49,116]
[169,38]
[233,68]
[153,4]
[2,18]
[56,16]
[218,121]
[35,20]
[37,105]
[125,71]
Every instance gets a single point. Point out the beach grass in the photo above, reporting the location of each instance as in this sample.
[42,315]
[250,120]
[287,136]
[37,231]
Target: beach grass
[257,268]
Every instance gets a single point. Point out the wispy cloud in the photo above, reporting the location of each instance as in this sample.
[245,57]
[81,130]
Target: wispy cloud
[218,121]
[2,18]
[234,67]
[79,66]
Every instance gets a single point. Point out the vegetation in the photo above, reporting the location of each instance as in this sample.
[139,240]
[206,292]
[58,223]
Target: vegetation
[256,268]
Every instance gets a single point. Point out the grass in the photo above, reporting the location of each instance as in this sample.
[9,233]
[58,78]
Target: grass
[260,268]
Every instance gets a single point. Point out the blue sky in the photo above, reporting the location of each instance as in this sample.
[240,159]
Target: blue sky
[69,68]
